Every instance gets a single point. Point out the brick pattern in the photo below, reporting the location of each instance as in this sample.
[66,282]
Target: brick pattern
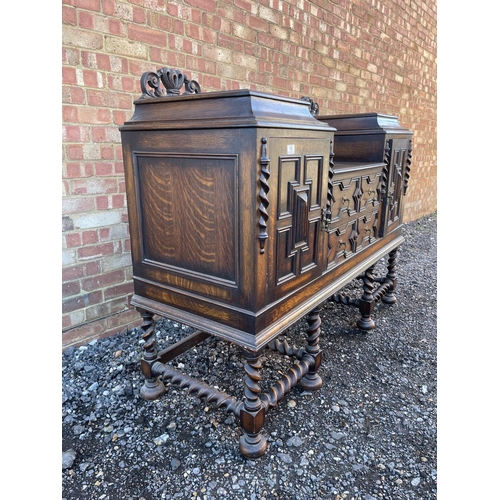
[349,56]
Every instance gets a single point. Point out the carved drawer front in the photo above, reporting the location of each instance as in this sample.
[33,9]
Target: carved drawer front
[356,203]
[301,195]
[349,237]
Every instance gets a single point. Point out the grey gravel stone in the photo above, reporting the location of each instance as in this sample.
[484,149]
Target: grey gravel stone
[294,441]
[285,457]
[369,433]
[68,458]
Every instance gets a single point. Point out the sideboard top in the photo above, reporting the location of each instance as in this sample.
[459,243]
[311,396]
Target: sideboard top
[365,123]
[223,109]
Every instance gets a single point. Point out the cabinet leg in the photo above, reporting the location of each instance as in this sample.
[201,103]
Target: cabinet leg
[389,297]
[367,302]
[312,381]
[252,415]
[153,387]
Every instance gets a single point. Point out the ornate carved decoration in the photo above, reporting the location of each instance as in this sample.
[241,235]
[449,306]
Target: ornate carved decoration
[198,388]
[408,166]
[329,194]
[283,347]
[313,106]
[152,387]
[172,80]
[385,171]
[286,383]
[312,381]
[264,190]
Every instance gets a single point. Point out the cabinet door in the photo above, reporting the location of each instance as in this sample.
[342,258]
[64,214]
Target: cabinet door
[299,170]
[396,152]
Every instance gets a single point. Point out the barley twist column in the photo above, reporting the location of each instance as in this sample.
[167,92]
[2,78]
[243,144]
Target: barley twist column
[153,387]
[367,302]
[390,297]
[252,415]
[312,381]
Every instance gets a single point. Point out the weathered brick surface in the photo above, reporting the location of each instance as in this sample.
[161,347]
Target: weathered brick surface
[350,56]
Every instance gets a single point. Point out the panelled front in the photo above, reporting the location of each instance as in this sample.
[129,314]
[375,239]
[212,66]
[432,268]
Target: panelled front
[355,210]
[396,157]
[299,172]
[188,226]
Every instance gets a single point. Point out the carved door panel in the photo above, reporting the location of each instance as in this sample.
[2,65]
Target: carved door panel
[395,158]
[301,168]
[355,206]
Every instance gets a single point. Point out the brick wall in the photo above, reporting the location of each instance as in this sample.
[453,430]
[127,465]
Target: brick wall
[349,56]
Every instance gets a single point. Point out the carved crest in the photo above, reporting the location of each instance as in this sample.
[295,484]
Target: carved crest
[172,81]
[313,106]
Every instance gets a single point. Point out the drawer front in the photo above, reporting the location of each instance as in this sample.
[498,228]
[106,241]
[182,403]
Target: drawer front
[356,204]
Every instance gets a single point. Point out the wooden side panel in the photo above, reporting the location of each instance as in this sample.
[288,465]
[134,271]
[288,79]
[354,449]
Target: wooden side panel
[192,213]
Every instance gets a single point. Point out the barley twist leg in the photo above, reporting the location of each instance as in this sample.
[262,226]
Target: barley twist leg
[312,381]
[153,387]
[252,415]
[367,302]
[389,297]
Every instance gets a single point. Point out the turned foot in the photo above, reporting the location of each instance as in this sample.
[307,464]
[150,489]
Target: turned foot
[152,389]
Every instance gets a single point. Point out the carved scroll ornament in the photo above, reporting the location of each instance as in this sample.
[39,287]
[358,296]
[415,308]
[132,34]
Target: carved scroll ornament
[172,80]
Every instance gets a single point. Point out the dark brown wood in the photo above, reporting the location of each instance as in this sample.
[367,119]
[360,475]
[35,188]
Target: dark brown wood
[389,297]
[182,346]
[246,212]
[153,387]
[252,443]
[312,381]
[374,138]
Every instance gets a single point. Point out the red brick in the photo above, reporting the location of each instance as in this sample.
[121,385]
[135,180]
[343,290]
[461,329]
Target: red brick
[208,5]
[138,15]
[69,15]
[116,27]
[74,152]
[148,35]
[108,152]
[257,23]
[73,240]
[91,268]
[69,76]
[95,251]
[115,291]
[102,202]
[108,7]
[104,234]
[85,20]
[104,168]
[94,5]
[75,303]
[103,280]
[72,273]
[70,288]
[118,201]
[90,237]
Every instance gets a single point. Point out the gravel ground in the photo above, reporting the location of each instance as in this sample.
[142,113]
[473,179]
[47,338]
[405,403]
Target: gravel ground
[369,433]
